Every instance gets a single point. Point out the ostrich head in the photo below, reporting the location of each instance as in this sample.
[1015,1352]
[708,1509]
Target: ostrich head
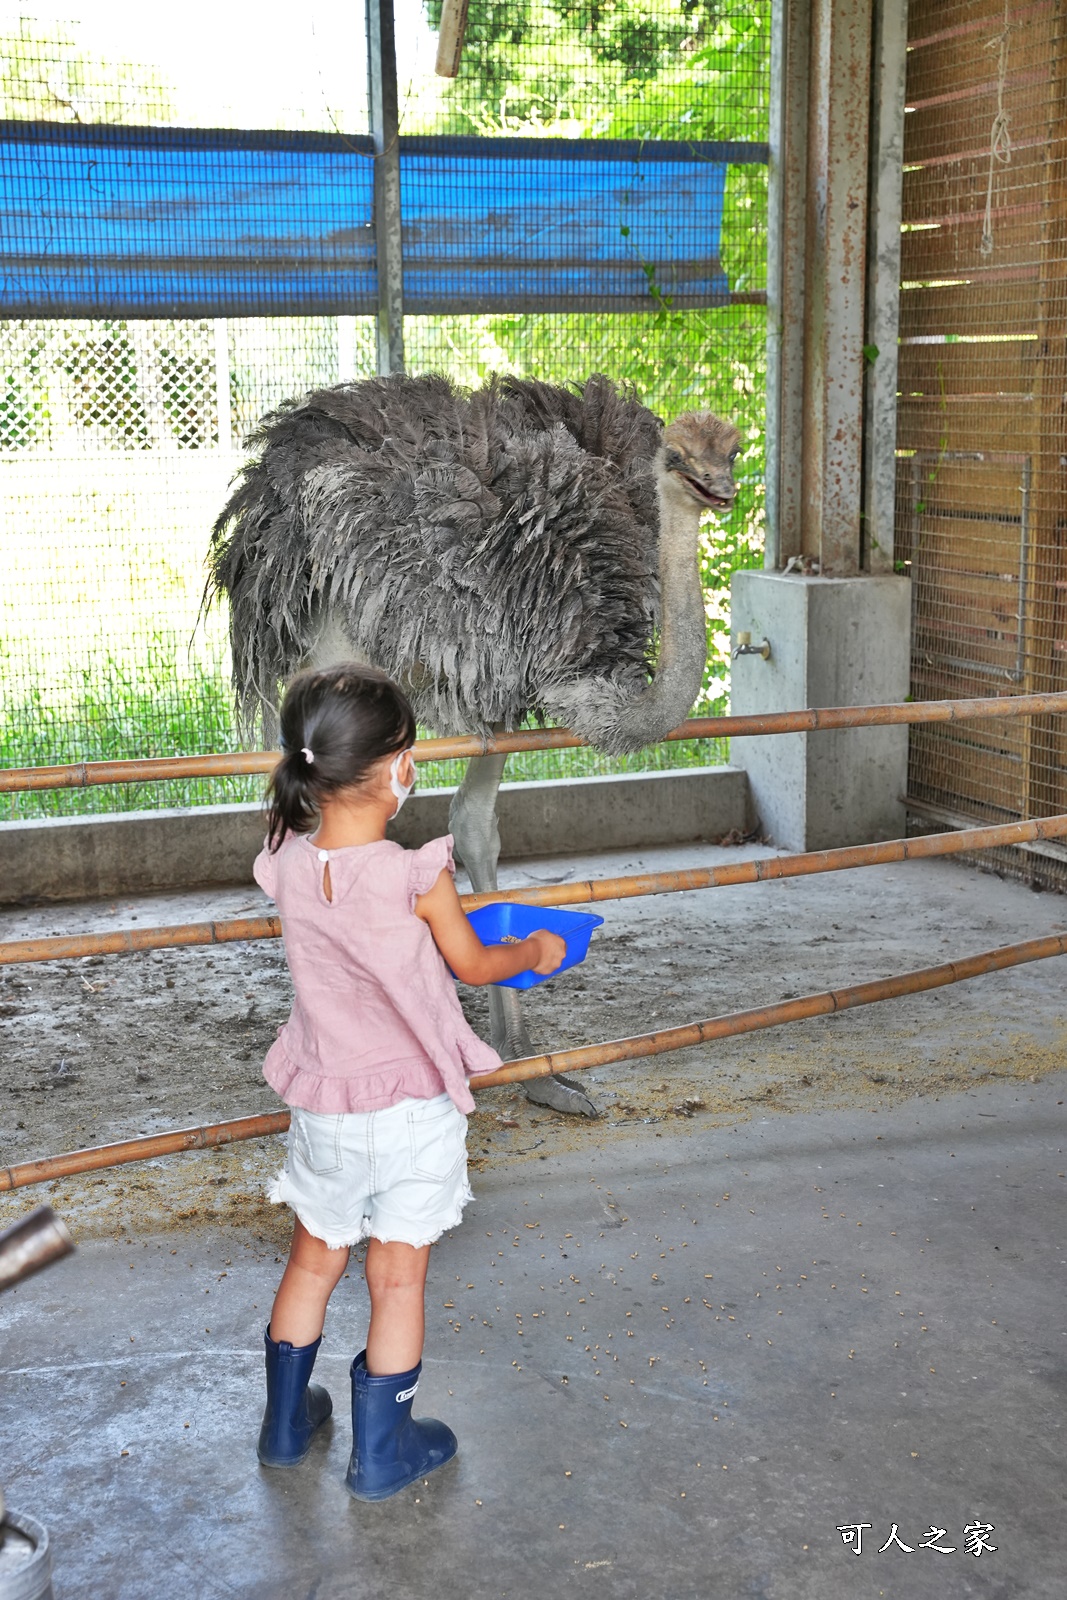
[696,459]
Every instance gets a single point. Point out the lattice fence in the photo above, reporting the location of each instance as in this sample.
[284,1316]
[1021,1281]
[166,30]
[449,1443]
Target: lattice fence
[119,434]
[982,485]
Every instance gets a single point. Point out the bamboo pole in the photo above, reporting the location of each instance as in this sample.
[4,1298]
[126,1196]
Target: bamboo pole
[798,1010]
[578,1060]
[766,868]
[99,1157]
[452,31]
[87,774]
[128,941]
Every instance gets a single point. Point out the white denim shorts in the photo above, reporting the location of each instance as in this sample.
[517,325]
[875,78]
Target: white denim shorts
[398,1175]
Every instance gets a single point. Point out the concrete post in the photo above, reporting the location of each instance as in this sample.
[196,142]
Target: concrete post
[842,637]
[786,262]
[835,248]
[883,283]
[834,642]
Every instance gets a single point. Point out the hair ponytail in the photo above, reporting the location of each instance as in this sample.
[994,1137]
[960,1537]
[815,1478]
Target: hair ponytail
[335,724]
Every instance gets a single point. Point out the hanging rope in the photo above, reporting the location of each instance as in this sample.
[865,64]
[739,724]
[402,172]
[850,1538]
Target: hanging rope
[999,139]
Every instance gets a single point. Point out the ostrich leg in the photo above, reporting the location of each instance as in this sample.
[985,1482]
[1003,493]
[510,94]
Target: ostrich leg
[473,822]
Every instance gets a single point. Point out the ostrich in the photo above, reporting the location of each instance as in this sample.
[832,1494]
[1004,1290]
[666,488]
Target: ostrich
[500,552]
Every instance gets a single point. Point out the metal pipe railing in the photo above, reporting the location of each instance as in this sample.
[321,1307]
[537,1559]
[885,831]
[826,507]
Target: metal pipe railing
[87,774]
[595,1055]
[128,941]
[30,1244]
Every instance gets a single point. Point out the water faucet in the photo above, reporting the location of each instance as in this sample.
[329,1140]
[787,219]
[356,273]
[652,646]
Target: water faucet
[745,647]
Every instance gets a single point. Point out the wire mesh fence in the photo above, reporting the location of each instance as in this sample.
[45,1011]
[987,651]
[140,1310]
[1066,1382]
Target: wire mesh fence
[205,166]
[982,479]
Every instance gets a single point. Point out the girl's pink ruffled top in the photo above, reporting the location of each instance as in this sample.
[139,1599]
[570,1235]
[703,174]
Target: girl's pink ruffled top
[375,1017]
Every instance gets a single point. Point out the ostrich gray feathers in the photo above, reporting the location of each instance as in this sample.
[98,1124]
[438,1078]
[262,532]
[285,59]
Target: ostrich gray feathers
[494,552]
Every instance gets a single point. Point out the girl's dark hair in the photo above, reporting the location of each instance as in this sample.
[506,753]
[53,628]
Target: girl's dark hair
[348,717]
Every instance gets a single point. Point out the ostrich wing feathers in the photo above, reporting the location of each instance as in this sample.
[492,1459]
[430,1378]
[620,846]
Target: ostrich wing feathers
[477,548]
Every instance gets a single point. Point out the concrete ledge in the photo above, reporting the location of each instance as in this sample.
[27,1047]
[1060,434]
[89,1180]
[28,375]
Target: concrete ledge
[137,852]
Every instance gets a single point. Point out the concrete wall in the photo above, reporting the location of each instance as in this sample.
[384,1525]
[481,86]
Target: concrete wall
[88,858]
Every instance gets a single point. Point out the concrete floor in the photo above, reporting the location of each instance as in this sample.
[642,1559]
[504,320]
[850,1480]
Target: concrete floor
[801,1280]
[741,1340]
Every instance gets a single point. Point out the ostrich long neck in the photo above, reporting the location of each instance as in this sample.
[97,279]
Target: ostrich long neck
[683,628]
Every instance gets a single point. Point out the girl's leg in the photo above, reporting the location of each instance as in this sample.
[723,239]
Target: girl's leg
[396,1280]
[389,1448]
[312,1273]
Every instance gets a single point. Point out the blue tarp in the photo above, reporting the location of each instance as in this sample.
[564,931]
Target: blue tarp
[136,222]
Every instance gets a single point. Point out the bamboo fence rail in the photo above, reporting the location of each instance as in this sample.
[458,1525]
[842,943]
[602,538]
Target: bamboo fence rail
[86,774]
[128,941]
[586,1056]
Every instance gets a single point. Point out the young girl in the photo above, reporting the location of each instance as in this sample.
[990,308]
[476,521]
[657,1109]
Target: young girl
[373,1062]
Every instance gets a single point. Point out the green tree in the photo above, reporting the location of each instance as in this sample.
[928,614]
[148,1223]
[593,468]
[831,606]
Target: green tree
[46,75]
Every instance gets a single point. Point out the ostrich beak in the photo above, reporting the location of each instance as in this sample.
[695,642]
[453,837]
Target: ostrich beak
[706,495]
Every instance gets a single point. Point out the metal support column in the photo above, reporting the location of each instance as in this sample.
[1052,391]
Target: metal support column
[223,408]
[385,131]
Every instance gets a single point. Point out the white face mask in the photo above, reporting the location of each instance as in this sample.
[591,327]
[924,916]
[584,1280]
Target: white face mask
[401,790]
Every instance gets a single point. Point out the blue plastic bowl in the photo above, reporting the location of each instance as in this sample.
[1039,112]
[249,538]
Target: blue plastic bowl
[493,923]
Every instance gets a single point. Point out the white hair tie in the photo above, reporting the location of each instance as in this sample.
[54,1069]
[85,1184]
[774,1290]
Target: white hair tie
[308,756]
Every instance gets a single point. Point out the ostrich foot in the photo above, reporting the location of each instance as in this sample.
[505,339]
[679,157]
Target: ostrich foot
[511,1040]
[562,1094]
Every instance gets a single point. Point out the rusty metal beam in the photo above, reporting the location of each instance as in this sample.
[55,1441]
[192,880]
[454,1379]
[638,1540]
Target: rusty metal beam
[89,774]
[129,941]
[595,1055]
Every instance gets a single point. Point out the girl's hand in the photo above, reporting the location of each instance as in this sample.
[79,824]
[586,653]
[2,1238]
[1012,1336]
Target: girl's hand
[551,950]
[472,961]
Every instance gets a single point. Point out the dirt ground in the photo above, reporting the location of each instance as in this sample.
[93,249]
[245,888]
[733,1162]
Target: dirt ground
[109,1047]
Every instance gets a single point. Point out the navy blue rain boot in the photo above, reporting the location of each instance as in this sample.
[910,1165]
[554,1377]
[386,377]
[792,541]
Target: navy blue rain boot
[295,1407]
[389,1449]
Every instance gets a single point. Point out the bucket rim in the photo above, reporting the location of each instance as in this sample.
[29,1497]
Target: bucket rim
[39,1565]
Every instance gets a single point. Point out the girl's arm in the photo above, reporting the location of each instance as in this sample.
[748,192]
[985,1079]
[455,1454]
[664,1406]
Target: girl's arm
[472,961]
